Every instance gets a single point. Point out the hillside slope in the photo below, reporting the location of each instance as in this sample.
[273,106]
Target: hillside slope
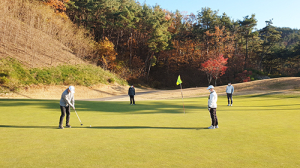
[32,47]
[36,36]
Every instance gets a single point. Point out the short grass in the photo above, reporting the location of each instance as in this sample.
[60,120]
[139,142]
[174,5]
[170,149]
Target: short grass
[258,131]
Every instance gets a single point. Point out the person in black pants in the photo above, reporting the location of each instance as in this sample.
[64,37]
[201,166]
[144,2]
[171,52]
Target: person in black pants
[66,101]
[212,107]
[131,93]
[229,92]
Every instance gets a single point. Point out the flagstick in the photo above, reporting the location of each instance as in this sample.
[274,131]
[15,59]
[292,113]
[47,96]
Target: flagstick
[182,98]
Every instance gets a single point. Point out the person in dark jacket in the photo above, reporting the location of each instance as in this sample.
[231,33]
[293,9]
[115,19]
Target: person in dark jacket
[131,93]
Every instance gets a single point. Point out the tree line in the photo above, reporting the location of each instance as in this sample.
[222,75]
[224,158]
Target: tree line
[150,45]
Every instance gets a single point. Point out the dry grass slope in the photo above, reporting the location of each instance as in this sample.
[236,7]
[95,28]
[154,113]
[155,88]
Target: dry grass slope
[33,34]
[39,50]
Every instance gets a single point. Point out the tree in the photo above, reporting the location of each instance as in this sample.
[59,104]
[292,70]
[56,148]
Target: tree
[105,54]
[157,25]
[247,26]
[214,68]
[219,42]
[58,5]
[226,22]
[208,19]
[270,37]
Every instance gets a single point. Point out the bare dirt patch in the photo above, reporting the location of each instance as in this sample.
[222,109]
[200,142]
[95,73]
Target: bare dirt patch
[54,92]
[286,85]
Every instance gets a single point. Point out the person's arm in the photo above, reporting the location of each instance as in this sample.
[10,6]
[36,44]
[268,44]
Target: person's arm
[73,101]
[68,101]
[232,89]
[215,98]
[210,101]
[133,91]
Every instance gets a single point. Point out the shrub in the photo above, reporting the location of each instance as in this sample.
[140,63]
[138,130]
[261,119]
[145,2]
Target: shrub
[4,80]
[244,76]
[111,80]
[156,84]
[13,75]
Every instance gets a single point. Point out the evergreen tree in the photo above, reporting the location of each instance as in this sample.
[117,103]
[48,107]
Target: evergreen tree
[247,26]
[270,37]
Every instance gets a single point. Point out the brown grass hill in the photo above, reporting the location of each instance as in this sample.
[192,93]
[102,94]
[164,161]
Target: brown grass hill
[35,35]
[40,38]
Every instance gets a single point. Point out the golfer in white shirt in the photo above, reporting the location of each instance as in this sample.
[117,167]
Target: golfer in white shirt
[212,107]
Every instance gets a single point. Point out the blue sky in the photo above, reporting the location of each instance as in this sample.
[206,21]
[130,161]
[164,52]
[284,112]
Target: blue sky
[285,13]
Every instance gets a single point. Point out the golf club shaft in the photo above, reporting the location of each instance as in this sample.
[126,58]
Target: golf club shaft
[77,116]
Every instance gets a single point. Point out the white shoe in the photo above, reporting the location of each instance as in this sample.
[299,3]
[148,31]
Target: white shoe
[211,127]
[216,126]
[230,104]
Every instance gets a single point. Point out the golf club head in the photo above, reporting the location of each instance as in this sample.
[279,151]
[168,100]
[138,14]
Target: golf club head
[81,124]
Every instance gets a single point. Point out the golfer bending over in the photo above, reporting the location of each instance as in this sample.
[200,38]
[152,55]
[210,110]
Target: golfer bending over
[212,107]
[67,100]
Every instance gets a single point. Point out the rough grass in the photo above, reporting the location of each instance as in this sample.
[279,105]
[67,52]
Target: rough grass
[258,131]
[14,75]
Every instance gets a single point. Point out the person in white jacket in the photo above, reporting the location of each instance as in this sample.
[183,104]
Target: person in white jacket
[66,100]
[212,107]
[229,91]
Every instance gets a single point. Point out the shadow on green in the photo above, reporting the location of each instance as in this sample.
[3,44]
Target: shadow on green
[152,107]
[105,127]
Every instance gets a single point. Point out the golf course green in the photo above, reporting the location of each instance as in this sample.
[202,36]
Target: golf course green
[257,131]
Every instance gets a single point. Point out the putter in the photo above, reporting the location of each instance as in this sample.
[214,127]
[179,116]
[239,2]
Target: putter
[78,117]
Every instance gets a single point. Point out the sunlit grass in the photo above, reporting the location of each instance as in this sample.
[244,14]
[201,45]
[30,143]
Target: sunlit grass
[257,131]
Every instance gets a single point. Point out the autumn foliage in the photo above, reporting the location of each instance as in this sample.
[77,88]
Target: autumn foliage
[105,55]
[244,76]
[214,67]
[58,5]
[150,45]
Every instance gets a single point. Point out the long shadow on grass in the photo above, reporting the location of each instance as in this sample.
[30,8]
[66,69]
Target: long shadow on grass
[105,127]
[143,107]
[271,95]
[28,126]
[272,105]
[144,127]
[25,103]
[266,94]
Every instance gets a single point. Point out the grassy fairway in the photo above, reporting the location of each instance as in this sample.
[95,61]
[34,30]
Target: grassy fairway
[258,131]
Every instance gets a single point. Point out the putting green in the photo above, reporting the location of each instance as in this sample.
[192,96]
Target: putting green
[258,131]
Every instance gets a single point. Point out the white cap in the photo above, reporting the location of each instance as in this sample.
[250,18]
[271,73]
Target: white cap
[72,89]
[210,87]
